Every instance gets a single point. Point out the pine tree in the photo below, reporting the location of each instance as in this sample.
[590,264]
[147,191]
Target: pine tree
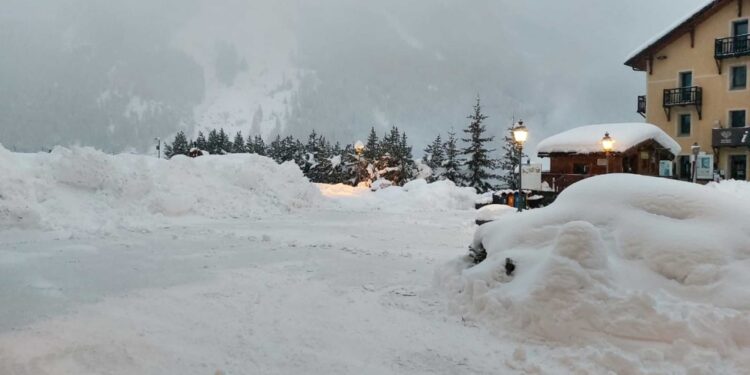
[238,146]
[259,146]
[200,142]
[224,144]
[372,148]
[434,158]
[180,146]
[274,149]
[479,165]
[213,145]
[453,161]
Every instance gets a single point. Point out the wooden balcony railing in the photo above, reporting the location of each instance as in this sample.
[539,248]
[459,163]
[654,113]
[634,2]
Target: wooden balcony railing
[683,96]
[734,46]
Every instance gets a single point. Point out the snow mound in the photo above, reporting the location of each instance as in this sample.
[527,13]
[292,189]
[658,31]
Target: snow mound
[417,195]
[624,261]
[81,188]
[493,212]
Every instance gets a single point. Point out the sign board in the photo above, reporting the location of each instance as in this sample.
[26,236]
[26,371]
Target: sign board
[602,162]
[705,167]
[665,168]
[731,137]
[532,176]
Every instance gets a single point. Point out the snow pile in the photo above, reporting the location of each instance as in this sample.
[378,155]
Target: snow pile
[655,270]
[493,212]
[588,139]
[85,189]
[417,195]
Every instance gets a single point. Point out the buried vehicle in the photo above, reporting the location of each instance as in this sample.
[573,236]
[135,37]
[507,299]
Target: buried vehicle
[653,262]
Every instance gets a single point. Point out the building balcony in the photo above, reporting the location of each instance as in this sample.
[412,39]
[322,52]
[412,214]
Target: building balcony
[642,105]
[683,97]
[734,46]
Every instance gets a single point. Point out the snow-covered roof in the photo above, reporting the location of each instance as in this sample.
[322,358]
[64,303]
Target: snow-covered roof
[588,139]
[693,15]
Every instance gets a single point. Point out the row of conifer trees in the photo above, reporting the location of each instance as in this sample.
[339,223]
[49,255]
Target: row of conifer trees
[388,157]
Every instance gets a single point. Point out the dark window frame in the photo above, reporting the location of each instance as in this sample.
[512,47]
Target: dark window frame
[733,123]
[733,82]
[680,124]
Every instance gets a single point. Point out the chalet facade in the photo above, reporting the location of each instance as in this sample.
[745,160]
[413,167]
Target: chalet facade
[577,154]
[697,85]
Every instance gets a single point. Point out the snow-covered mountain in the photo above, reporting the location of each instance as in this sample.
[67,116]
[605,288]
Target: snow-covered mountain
[117,74]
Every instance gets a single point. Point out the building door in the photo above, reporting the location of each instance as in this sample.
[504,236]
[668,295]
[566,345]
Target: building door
[738,167]
[739,32]
[686,82]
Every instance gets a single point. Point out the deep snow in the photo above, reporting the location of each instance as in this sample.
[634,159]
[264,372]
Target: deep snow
[127,264]
[640,274]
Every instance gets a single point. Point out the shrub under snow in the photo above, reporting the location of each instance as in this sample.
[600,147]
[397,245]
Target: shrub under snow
[86,189]
[622,261]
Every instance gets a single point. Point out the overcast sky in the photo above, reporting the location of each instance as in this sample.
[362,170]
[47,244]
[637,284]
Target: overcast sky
[116,74]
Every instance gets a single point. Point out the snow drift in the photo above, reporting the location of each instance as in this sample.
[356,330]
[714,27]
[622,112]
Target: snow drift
[621,260]
[417,195]
[86,189]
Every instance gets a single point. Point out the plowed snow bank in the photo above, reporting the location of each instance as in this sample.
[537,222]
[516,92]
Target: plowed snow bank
[88,190]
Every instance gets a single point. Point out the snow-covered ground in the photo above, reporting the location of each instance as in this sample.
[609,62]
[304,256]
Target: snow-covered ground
[235,265]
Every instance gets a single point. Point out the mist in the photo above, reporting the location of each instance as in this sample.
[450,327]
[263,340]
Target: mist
[114,75]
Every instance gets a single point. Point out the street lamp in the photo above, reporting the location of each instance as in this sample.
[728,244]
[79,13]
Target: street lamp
[696,149]
[608,144]
[520,135]
[158,147]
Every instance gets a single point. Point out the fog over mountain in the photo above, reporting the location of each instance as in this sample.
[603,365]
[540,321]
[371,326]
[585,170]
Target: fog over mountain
[116,74]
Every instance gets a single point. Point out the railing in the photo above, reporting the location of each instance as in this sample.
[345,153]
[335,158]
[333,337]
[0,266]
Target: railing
[683,96]
[734,46]
[642,105]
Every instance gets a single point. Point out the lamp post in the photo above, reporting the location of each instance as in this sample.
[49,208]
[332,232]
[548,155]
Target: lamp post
[158,147]
[608,144]
[520,135]
[696,149]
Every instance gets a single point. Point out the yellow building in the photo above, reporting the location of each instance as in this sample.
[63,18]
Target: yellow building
[697,85]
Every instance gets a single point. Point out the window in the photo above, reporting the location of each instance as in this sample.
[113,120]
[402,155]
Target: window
[739,28]
[739,77]
[683,125]
[580,168]
[737,119]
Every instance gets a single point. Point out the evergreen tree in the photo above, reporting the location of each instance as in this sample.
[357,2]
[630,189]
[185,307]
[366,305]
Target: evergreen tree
[259,146]
[372,147]
[225,145]
[274,149]
[478,164]
[213,145]
[180,146]
[434,157]
[238,146]
[200,142]
[453,161]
